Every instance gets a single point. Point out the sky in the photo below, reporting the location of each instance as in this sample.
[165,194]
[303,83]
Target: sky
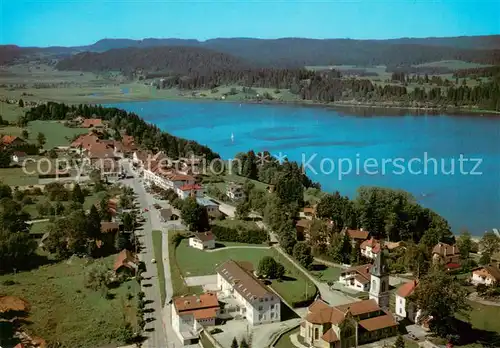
[82,22]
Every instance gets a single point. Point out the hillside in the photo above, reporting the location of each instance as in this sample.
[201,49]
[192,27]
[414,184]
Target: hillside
[292,52]
[178,60]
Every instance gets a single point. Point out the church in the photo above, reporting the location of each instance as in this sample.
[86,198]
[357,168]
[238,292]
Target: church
[355,323]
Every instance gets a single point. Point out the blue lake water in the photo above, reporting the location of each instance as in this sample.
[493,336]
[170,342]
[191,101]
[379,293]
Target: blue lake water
[467,198]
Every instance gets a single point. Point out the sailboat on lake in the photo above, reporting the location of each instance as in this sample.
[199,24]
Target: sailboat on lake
[232,137]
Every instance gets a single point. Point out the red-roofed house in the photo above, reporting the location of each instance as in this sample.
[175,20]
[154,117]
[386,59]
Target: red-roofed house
[191,313]
[357,277]
[126,262]
[92,123]
[487,275]
[370,248]
[11,140]
[347,325]
[190,190]
[405,308]
[357,236]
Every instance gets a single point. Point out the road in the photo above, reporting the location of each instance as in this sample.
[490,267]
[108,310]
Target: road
[154,329]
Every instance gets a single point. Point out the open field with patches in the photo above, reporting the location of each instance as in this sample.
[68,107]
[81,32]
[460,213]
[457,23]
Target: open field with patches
[67,314]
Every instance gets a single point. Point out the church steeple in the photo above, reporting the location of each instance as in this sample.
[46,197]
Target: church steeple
[379,279]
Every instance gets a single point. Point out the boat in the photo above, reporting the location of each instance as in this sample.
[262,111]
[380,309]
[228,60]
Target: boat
[232,137]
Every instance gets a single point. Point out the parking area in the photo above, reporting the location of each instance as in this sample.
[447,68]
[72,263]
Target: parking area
[208,283]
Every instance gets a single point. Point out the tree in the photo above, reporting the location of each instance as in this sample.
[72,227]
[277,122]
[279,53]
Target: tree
[464,243]
[355,256]
[268,268]
[243,343]
[21,103]
[41,139]
[242,210]
[77,194]
[16,249]
[5,158]
[490,243]
[94,223]
[122,241]
[194,215]
[234,343]
[485,259]
[441,297]
[25,134]
[400,342]
[302,253]
[52,153]
[5,191]
[97,277]
[128,221]
[12,218]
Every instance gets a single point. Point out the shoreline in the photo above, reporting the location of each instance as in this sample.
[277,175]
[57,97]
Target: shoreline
[402,110]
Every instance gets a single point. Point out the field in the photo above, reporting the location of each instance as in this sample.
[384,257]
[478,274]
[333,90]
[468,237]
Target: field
[485,317]
[284,341]
[64,312]
[326,274]
[193,262]
[158,253]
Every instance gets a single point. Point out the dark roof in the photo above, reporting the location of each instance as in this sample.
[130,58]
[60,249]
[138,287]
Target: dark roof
[357,234]
[492,270]
[378,323]
[244,282]
[204,236]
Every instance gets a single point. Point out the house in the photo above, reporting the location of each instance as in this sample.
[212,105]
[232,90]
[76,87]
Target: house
[356,278]
[109,231]
[347,325]
[190,190]
[202,240]
[177,180]
[486,275]
[84,143]
[370,248]
[18,156]
[308,213]
[446,254]
[357,236]
[235,191]
[211,207]
[302,227]
[169,214]
[110,168]
[405,308]
[256,302]
[11,141]
[126,263]
[190,314]
[92,123]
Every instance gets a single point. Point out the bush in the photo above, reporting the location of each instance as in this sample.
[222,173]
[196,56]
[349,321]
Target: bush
[249,236]
[97,277]
[27,200]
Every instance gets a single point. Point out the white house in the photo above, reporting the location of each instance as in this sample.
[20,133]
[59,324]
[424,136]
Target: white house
[190,190]
[256,302]
[202,240]
[356,278]
[370,248]
[191,313]
[404,307]
[211,207]
[235,191]
[178,180]
[487,275]
[18,156]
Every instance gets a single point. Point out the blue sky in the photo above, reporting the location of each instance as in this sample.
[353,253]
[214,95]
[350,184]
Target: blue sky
[78,22]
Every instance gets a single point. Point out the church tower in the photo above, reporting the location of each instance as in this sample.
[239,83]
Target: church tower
[379,280]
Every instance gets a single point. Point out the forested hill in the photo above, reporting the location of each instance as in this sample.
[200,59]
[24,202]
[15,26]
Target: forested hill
[175,59]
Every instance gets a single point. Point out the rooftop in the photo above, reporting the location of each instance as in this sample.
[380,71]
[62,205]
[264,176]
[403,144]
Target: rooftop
[443,249]
[358,234]
[244,282]
[490,270]
[407,289]
[204,236]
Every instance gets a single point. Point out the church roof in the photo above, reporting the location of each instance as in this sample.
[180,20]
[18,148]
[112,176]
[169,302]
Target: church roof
[330,336]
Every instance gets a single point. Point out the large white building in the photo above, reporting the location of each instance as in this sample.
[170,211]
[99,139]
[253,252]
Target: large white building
[191,313]
[256,302]
[190,190]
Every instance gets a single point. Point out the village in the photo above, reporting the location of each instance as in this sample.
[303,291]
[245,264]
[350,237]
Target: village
[217,274]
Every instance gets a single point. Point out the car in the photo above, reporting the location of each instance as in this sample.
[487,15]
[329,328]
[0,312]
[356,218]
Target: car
[153,261]
[412,336]
[146,210]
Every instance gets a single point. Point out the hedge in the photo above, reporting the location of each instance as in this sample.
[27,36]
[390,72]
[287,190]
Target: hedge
[248,236]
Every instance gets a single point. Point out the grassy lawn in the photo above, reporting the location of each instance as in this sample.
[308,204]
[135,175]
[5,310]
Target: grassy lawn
[10,112]
[55,132]
[325,273]
[194,262]
[284,341]
[65,313]
[17,176]
[158,253]
[39,227]
[485,317]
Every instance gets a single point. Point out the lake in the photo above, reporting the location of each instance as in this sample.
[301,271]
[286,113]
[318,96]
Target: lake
[449,163]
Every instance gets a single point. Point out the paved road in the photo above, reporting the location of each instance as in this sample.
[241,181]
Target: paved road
[154,329]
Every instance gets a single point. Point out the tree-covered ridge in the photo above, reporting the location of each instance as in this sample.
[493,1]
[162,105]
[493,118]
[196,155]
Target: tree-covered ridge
[147,135]
[166,59]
